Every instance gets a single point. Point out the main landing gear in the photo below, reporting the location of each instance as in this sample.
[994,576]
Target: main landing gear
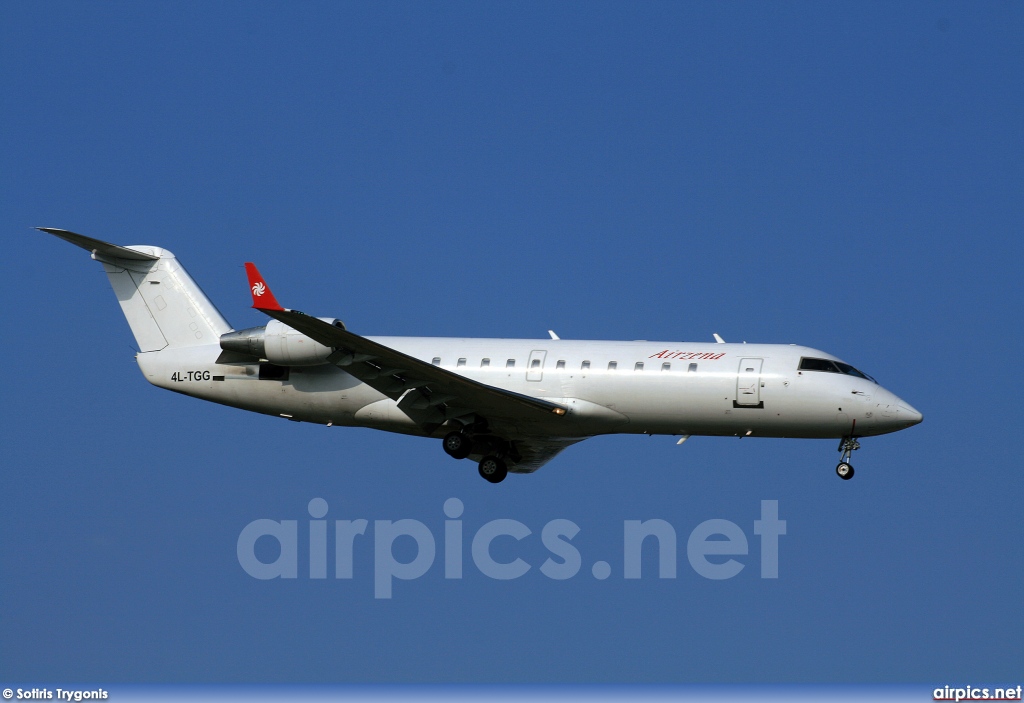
[459,445]
[493,469]
[844,469]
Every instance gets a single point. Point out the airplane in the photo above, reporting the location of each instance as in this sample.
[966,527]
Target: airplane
[510,405]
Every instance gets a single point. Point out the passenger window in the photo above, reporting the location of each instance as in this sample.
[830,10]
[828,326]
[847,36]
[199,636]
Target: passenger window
[560,364]
[612,365]
[666,366]
[749,369]
[692,369]
[585,365]
[535,364]
[639,366]
[484,363]
[510,364]
[436,361]
[461,362]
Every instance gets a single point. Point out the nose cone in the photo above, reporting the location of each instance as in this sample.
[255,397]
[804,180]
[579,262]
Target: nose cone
[893,413]
[907,414]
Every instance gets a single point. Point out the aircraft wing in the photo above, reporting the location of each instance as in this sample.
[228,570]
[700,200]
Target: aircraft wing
[428,394]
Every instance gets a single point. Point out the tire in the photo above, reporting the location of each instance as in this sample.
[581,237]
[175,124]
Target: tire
[493,469]
[844,471]
[457,445]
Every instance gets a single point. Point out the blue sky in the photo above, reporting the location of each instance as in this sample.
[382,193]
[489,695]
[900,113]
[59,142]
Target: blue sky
[847,177]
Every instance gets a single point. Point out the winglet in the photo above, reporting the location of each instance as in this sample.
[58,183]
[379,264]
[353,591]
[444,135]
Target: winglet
[262,298]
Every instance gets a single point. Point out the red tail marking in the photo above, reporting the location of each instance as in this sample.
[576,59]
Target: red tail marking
[262,298]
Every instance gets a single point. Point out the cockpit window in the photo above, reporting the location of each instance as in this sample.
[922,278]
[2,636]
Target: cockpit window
[850,371]
[818,365]
[829,366]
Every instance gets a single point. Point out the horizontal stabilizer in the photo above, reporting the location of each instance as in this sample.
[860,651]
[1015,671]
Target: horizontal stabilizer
[97,246]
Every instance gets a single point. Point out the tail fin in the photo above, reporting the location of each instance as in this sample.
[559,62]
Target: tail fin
[163,305]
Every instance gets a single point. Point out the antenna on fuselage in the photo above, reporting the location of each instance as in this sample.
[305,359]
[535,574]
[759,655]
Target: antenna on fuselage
[553,335]
[719,339]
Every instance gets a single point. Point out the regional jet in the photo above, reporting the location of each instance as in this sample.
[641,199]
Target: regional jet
[510,405]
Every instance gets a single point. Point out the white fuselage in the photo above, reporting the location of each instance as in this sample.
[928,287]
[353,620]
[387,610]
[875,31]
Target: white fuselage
[509,404]
[672,388]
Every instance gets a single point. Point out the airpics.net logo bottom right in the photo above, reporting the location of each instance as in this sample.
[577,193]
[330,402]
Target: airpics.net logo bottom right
[712,547]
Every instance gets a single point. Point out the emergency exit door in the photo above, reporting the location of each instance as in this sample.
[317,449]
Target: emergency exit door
[535,365]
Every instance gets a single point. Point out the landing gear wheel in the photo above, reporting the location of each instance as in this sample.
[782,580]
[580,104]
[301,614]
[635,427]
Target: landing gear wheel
[493,469]
[457,445]
[847,445]
[844,471]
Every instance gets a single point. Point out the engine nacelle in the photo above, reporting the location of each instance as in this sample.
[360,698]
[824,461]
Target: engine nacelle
[279,344]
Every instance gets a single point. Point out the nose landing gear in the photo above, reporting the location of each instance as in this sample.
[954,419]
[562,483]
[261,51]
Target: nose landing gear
[847,445]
